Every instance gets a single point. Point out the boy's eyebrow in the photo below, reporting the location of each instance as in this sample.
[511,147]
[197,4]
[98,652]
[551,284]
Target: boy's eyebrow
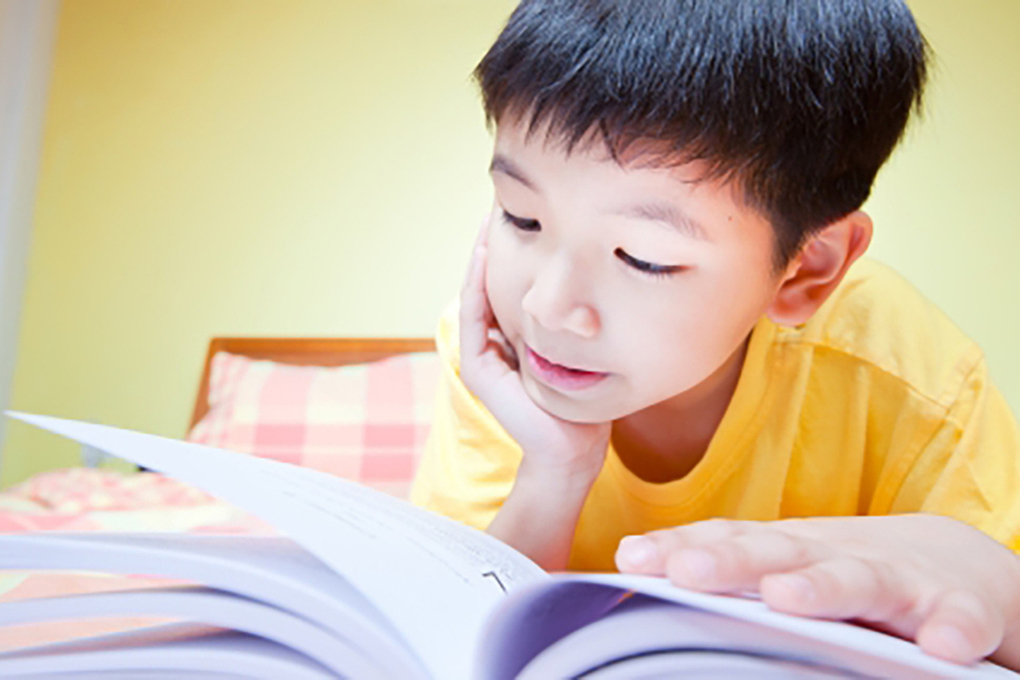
[664,212]
[656,212]
[503,164]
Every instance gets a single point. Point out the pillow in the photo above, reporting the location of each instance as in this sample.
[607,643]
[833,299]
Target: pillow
[363,422]
[80,490]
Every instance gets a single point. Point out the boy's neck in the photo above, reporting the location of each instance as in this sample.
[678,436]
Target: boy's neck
[665,441]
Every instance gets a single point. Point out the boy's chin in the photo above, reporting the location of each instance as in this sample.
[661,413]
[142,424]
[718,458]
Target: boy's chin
[564,407]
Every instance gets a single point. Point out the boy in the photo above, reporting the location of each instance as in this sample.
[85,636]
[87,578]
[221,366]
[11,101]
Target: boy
[661,325]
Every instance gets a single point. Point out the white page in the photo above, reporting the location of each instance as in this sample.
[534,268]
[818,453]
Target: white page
[437,596]
[709,666]
[840,634]
[644,627]
[271,569]
[471,551]
[207,606]
[226,653]
[142,636]
[535,619]
[846,642]
[132,675]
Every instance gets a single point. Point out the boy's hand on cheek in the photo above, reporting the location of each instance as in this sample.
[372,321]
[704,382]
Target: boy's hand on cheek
[554,449]
[926,578]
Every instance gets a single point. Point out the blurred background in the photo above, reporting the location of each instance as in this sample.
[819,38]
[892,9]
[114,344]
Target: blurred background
[173,170]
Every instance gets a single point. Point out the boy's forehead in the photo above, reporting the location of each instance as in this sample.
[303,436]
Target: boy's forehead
[519,142]
[519,135]
[650,209]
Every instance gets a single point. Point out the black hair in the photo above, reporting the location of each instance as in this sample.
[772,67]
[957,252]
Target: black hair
[799,101]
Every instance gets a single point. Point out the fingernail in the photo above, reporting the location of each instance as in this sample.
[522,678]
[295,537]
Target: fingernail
[799,586]
[636,550]
[953,643]
[701,565]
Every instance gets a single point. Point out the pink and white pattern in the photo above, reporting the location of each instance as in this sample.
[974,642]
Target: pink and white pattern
[365,422]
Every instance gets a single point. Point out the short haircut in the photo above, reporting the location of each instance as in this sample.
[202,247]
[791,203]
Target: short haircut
[799,101]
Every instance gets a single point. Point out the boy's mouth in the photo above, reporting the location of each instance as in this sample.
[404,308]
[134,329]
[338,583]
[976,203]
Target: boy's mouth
[559,376]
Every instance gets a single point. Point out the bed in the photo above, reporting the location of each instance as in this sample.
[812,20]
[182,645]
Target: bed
[355,407]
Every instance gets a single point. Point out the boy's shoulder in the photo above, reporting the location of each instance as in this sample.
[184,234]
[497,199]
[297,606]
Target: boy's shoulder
[877,317]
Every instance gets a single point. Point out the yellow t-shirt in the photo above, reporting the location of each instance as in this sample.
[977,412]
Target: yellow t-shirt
[878,405]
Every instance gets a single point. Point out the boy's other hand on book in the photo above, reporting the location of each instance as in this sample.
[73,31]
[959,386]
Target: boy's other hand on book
[931,579]
[489,367]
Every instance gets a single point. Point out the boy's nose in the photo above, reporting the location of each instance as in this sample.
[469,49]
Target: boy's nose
[552,306]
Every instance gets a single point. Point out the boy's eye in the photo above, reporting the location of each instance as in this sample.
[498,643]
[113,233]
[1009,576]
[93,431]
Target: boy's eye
[650,268]
[522,223]
[647,267]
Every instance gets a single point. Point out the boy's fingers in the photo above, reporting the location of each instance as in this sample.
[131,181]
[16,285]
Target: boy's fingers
[476,267]
[482,238]
[738,563]
[647,554]
[961,628]
[506,351]
[474,307]
[845,588]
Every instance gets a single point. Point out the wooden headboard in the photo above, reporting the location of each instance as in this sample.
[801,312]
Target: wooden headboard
[305,352]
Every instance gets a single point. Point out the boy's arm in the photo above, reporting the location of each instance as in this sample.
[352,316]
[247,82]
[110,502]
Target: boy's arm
[926,577]
[473,472]
[540,515]
[560,459]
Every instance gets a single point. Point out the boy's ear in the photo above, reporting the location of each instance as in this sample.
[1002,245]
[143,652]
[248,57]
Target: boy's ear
[819,267]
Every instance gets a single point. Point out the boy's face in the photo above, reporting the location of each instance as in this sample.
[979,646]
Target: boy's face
[644,280]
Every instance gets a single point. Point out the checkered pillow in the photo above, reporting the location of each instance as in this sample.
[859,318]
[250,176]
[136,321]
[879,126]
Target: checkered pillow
[365,422]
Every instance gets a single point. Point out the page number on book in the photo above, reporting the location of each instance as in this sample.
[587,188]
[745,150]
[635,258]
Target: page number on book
[495,578]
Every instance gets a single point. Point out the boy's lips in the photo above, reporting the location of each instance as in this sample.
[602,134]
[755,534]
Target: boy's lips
[559,376]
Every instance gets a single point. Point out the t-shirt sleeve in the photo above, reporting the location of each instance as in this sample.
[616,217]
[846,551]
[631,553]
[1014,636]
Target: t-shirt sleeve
[977,454]
[470,462]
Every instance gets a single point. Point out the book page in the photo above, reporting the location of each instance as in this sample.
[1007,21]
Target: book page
[471,552]
[174,650]
[149,675]
[710,665]
[134,675]
[742,624]
[268,569]
[536,618]
[207,606]
[693,642]
[435,579]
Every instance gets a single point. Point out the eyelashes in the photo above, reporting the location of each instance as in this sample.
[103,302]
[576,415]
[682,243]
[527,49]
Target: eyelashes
[649,268]
[522,223]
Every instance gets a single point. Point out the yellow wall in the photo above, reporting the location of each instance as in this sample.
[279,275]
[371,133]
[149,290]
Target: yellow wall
[947,207]
[241,167]
[258,167]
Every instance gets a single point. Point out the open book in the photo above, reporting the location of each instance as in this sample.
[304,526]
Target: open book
[367,586]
